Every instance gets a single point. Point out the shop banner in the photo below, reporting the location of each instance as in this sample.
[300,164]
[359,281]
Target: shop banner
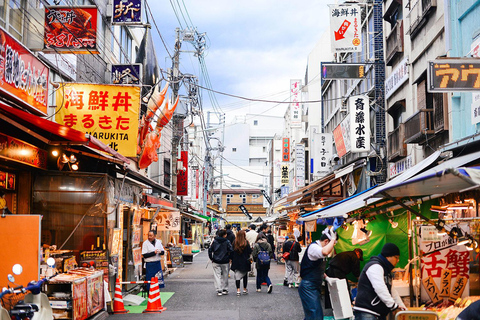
[168,221]
[441,255]
[300,165]
[182,175]
[285,174]
[127,12]
[107,112]
[286,150]
[341,135]
[295,106]
[71,29]
[346,25]
[398,77]
[137,256]
[360,123]
[126,73]
[19,151]
[22,75]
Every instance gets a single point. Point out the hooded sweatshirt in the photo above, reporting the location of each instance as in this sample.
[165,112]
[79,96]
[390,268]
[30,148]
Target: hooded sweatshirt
[220,250]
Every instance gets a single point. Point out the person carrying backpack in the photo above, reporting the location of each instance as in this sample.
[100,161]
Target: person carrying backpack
[262,253]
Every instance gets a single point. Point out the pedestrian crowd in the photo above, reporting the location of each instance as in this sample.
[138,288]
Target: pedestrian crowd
[247,252]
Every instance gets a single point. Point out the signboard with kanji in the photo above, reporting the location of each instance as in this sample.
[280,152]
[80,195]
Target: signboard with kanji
[182,175]
[126,73]
[342,70]
[127,12]
[346,28]
[107,112]
[300,165]
[359,123]
[325,152]
[295,106]
[18,151]
[431,288]
[341,135]
[23,77]
[71,29]
[286,149]
[449,75]
[445,254]
[284,178]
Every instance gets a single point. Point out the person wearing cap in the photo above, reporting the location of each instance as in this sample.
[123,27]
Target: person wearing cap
[341,265]
[312,269]
[376,297]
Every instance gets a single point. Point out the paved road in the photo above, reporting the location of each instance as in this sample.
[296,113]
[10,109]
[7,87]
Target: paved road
[195,297]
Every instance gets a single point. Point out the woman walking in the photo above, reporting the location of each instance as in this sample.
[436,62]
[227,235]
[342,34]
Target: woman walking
[241,263]
[262,253]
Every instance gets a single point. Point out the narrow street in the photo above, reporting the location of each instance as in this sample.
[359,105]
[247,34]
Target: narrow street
[195,297]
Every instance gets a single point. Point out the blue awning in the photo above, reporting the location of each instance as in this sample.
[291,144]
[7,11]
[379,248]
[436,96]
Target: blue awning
[447,177]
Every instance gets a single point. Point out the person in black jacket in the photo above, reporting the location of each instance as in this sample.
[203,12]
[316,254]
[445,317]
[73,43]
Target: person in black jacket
[292,264]
[219,253]
[271,240]
[230,234]
[376,297]
[241,262]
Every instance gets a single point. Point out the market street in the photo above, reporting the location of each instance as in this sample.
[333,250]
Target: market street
[195,297]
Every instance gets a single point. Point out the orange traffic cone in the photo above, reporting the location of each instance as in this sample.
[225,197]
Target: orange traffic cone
[118,299]
[154,302]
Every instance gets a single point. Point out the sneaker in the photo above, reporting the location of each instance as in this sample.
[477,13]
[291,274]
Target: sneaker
[225,292]
[238,293]
[290,285]
[270,288]
[259,290]
[245,291]
[219,293]
[285,283]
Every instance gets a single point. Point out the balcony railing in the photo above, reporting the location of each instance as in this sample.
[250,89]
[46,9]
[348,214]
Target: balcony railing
[419,127]
[397,148]
[394,42]
[418,14]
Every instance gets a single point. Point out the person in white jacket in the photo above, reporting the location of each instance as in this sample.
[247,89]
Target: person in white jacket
[376,297]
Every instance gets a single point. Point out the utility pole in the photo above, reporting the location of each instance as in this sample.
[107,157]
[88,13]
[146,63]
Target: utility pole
[222,123]
[177,118]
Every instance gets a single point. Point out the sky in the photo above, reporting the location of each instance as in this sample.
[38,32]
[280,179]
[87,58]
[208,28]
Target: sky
[254,47]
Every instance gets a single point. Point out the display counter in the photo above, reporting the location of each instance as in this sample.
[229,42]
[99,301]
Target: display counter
[77,294]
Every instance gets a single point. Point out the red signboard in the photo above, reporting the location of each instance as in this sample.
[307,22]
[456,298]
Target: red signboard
[339,142]
[16,150]
[286,149]
[182,176]
[71,29]
[22,76]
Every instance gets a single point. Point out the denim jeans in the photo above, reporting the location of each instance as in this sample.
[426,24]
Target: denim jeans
[359,315]
[311,295]
[262,276]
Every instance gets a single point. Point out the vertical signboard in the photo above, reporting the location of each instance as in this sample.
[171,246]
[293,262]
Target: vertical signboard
[295,106]
[127,12]
[300,165]
[22,75]
[107,112]
[286,149]
[346,25]
[475,52]
[284,174]
[398,77]
[71,29]
[325,152]
[341,135]
[182,176]
[359,123]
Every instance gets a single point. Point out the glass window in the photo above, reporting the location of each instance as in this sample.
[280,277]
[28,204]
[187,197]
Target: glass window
[15,18]
[229,198]
[234,149]
[255,122]
[243,197]
[126,43]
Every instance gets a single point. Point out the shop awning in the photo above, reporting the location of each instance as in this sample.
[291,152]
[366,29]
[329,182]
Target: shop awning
[447,177]
[193,216]
[369,196]
[51,132]
[206,218]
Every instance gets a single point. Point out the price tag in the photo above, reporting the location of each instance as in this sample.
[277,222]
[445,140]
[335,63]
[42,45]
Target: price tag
[458,288]
[432,289]
[445,281]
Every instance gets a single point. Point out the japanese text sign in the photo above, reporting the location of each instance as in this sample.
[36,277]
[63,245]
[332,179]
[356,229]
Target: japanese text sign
[107,112]
[182,176]
[432,289]
[397,77]
[300,165]
[127,12]
[341,135]
[346,25]
[342,70]
[71,29]
[447,75]
[126,73]
[359,123]
[286,149]
[322,152]
[168,221]
[21,152]
[445,281]
[22,75]
[458,288]
[284,174]
[295,106]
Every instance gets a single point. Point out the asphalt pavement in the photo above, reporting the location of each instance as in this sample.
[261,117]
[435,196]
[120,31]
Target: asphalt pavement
[195,297]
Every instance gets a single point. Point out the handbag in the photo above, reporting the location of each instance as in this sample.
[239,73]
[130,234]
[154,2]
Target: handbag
[286,255]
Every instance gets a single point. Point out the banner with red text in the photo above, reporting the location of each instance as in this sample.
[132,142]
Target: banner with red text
[107,112]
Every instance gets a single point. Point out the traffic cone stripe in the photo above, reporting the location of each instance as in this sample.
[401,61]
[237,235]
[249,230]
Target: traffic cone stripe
[118,306]
[154,302]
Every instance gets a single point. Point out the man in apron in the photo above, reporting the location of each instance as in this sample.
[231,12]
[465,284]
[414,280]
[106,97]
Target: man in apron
[152,251]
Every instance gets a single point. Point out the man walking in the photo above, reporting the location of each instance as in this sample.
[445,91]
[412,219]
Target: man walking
[376,297]
[230,234]
[252,238]
[219,252]
[311,271]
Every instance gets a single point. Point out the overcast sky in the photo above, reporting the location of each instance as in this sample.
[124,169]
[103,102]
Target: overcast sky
[254,47]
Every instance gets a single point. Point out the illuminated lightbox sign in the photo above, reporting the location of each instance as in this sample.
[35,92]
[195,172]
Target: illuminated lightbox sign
[342,71]
[448,75]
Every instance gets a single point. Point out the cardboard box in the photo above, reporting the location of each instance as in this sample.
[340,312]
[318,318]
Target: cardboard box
[187,249]
[340,298]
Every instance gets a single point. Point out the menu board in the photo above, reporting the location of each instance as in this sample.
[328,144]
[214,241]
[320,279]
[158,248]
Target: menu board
[176,257]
